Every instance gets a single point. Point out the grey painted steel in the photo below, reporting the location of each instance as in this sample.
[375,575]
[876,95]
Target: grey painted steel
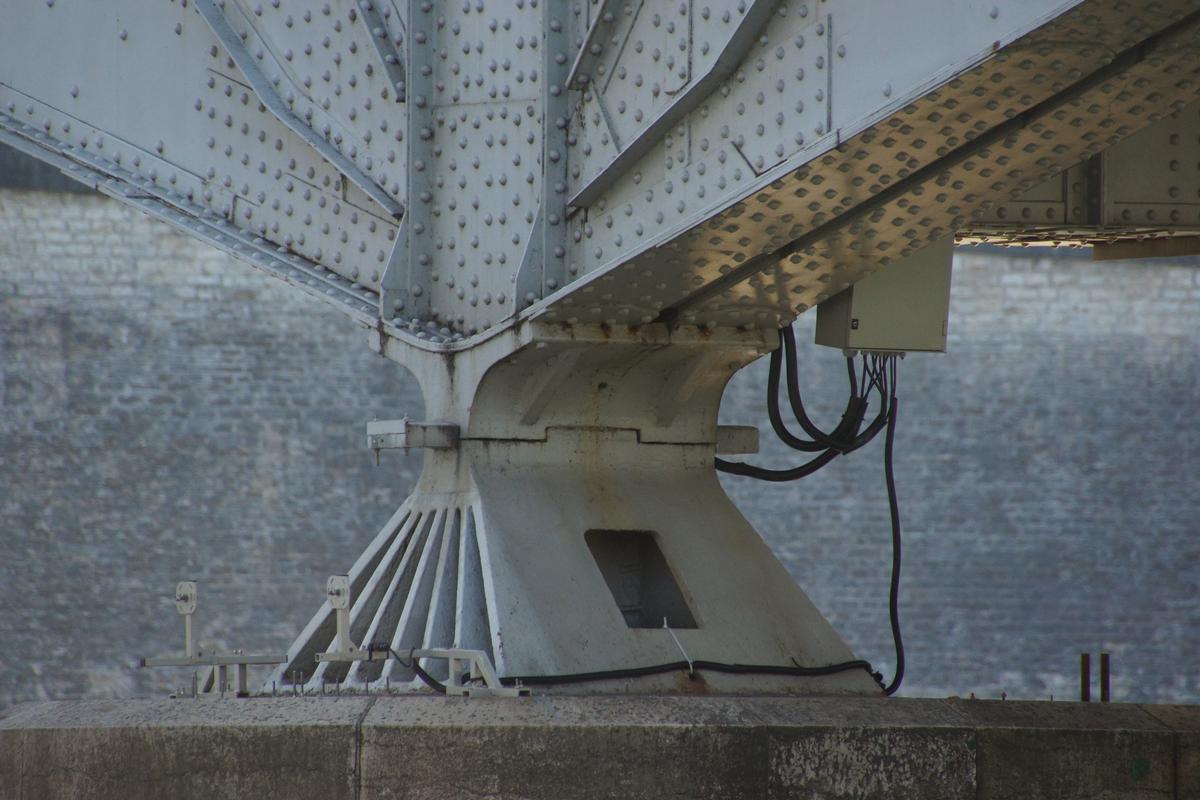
[194,220]
[414,244]
[604,17]
[1144,190]
[544,265]
[905,309]
[19,171]
[808,136]
[266,93]
[382,37]
[731,169]
[744,34]
[161,103]
[403,434]
[621,432]
[212,659]
[815,225]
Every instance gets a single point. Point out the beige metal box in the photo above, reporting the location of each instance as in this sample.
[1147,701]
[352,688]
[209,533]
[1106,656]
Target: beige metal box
[904,307]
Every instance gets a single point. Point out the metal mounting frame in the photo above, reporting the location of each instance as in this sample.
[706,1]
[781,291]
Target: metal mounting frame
[217,681]
[458,660]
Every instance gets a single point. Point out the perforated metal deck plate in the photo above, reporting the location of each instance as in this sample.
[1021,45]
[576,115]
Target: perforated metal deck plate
[1034,109]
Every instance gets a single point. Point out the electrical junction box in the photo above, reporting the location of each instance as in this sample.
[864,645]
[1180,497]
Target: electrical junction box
[904,307]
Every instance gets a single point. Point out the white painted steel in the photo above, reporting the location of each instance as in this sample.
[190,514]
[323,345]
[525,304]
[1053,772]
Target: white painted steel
[402,434]
[691,139]
[605,210]
[264,88]
[879,189]
[185,604]
[562,433]
[475,664]
[216,677]
[904,309]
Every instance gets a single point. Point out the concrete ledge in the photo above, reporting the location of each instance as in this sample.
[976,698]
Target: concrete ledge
[180,749]
[598,747]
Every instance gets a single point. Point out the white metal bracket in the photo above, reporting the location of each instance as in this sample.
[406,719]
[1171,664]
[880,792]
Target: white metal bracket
[475,663]
[185,604]
[479,665]
[186,596]
[337,591]
[403,434]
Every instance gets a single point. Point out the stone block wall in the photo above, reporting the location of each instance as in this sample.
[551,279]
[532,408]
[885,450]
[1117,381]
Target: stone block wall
[169,413]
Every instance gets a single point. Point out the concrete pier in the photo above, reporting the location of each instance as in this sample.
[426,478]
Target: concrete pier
[598,747]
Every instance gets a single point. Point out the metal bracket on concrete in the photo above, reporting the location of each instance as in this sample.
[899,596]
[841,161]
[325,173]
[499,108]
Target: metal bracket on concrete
[185,603]
[474,662]
[337,591]
[388,434]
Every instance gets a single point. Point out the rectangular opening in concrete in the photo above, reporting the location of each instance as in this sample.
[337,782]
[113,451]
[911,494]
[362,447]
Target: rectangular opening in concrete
[639,578]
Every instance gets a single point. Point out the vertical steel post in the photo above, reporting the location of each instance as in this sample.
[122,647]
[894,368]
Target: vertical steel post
[1104,678]
[1085,677]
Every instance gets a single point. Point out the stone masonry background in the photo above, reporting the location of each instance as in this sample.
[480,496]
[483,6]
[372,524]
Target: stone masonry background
[169,413]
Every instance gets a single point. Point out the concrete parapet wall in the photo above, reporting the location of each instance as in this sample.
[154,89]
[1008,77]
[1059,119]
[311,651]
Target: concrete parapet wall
[598,747]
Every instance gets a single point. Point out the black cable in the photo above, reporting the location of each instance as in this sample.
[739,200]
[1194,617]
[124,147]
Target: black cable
[833,440]
[429,680]
[849,427]
[879,380]
[846,436]
[870,432]
[793,389]
[411,663]
[633,672]
[780,427]
[685,666]
[777,423]
[775,475]
[894,508]
[879,374]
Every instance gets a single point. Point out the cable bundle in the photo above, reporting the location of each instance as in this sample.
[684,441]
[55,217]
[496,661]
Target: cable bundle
[877,375]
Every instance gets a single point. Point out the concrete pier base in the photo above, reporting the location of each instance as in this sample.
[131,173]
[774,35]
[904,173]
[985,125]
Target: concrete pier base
[598,747]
